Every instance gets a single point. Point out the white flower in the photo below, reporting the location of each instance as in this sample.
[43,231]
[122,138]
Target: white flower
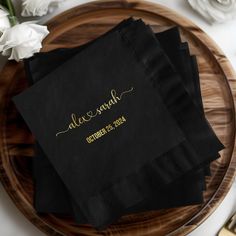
[38,7]
[4,21]
[215,10]
[22,40]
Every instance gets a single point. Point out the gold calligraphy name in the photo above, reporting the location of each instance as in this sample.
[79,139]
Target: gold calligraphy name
[77,121]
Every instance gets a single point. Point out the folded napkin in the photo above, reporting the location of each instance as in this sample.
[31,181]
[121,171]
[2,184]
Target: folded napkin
[50,193]
[98,131]
[106,122]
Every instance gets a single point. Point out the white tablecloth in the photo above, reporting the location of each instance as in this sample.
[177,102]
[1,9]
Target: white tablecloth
[13,223]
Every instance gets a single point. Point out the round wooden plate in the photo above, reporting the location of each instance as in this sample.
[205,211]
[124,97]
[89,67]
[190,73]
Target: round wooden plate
[82,24]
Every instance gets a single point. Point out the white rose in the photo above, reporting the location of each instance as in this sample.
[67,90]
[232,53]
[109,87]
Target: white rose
[38,7]
[215,10]
[4,21]
[22,40]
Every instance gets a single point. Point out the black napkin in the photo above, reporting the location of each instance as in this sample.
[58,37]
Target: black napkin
[49,185]
[105,172]
[172,172]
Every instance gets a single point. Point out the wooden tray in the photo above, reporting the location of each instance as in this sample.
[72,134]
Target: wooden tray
[77,26]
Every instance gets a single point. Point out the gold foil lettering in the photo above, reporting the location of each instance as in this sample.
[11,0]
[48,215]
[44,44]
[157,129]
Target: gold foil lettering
[77,121]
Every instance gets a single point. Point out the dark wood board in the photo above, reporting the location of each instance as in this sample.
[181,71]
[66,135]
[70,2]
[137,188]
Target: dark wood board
[218,84]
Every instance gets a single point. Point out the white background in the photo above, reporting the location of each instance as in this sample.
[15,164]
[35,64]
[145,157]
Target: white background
[13,223]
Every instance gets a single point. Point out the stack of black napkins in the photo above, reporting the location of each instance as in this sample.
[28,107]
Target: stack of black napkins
[119,124]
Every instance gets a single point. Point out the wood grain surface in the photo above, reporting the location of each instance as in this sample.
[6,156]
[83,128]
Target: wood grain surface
[80,25]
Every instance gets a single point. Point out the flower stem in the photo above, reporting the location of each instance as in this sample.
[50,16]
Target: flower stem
[12,15]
